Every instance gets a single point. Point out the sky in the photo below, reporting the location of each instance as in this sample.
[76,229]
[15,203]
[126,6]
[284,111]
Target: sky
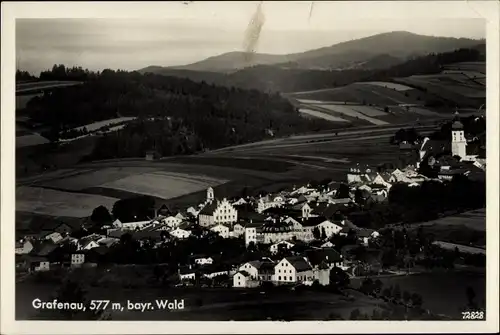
[184,34]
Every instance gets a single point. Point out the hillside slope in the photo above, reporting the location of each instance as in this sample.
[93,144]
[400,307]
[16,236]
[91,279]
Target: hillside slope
[289,79]
[392,47]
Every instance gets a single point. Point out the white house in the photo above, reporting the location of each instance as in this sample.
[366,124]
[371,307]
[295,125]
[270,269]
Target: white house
[293,269]
[171,221]
[240,201]
[137,225]
[43,265]
[259,270]
[55,237]
[186,273]
[193,211]
[327,244]
[117,224]
[276,246]
[180,233]
[180,216]
[243,279]
[304,208]
[203,260]
[250,235]
[238,230]
[329,227]
[301,190]
[215,273]
[77,260]
[217,212]
[252,268]
[87,245]
[221,229]
[364,235]
[23,247]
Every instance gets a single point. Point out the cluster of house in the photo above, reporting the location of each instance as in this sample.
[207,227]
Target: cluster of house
[313,265]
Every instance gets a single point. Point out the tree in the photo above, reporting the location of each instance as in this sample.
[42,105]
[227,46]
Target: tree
[339,278]
[406,297]
[471,295]
[377,286]
[100,215]
[342,192]
[72,292]
[396,293]
[376,314]
[367,286]
[387,292]
[355,314]
[316,233]
[416,299]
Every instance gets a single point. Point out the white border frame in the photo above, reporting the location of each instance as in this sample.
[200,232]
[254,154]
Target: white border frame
[489,10]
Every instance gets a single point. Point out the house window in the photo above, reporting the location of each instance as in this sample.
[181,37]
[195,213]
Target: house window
[279,277]
[290,277]
[279,271]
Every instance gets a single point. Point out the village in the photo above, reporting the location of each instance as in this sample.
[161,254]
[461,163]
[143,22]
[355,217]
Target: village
[301,236]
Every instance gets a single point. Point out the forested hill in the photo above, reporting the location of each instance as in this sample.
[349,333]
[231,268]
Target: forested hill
[270,78]
[175,115]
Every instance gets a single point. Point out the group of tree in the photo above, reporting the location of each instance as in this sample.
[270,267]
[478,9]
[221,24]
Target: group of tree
[138,208]
[60,72]
[24,76]
[176,115]
[270,78]
[422,203]
[410,136]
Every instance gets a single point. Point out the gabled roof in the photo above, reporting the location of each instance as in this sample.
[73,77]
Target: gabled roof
[326,255]
[299,263]
[155,235]
[244,273]
[313,221]
[252,224]
[250,215]
[43,249]
[209,209]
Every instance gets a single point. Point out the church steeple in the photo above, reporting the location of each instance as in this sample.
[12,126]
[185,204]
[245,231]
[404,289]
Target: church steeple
[458,141]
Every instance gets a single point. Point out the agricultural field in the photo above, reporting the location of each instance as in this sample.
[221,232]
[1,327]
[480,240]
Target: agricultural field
[355,112]
[56,203]
[77,180]
[313,113]
[99,124]
[362,93]
[22,100]
[163,185]
[468,66]
[26,139]
[393,86]
[475,220]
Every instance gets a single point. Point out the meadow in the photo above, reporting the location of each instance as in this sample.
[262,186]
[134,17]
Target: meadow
[56,203]
[27,139]
[443,292]
[321,115]
[163,184]
[99,124]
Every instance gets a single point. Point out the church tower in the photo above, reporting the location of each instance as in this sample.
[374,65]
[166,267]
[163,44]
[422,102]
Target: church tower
[210,194]
[458,141]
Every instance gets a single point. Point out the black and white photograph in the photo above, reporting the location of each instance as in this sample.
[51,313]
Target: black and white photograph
[252,161]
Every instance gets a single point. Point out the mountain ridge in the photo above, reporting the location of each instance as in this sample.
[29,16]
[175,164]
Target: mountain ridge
[398,45]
